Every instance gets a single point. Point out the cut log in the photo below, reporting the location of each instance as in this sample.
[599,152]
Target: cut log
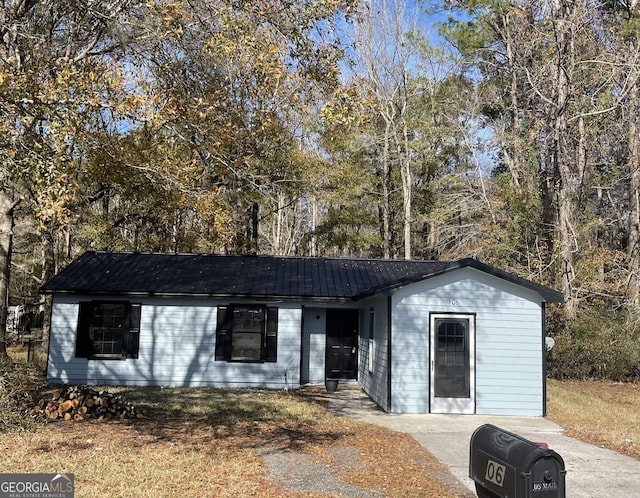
[65,406]
[82,402]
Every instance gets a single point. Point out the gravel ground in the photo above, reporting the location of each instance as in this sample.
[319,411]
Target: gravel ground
[302,473]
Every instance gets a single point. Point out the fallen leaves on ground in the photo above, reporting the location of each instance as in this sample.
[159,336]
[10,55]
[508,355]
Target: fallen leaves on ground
[209,443]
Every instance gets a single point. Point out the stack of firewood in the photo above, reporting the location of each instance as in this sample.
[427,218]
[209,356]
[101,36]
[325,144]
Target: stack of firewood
[82,402]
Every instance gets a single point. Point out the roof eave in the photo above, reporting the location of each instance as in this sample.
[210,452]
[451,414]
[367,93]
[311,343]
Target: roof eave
[225,296]
[547,294]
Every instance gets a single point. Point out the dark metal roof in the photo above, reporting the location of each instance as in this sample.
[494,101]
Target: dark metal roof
[110,273]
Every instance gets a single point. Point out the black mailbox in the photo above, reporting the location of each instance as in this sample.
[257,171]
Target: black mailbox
[505,465]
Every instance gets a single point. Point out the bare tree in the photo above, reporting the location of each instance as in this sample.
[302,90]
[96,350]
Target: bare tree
[385,65]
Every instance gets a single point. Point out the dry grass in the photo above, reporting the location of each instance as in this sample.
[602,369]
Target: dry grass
[602,413]
[211,443]
[206,442]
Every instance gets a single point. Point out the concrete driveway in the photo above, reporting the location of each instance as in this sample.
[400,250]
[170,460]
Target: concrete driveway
[592,471]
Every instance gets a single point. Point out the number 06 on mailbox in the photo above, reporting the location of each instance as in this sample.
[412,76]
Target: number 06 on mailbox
[505,465]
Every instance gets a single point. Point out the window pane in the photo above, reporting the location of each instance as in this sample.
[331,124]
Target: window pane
[246,346]
[107,328]
[248,319]
[452,359]
[247,336]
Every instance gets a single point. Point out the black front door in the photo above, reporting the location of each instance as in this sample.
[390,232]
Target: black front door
[342,344]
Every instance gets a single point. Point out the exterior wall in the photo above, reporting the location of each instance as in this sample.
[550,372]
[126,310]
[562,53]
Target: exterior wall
[508,354]
[177,345]
[314,343]
[374,380]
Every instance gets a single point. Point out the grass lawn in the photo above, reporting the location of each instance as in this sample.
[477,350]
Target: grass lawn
[603,413]
[210,442]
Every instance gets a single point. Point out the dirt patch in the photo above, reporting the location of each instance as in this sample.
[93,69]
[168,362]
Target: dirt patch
[304,473]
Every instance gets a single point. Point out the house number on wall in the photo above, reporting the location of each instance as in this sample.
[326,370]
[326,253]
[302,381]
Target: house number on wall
[453,302]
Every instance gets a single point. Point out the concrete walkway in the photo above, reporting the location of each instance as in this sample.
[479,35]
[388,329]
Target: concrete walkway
[592,472]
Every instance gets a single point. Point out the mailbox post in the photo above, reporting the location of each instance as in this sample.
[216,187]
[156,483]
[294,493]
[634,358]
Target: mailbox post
[505,465]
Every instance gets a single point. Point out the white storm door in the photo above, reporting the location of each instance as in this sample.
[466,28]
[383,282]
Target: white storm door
[452,376]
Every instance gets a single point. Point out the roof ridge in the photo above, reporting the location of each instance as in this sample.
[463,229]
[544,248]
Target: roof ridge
[272,256]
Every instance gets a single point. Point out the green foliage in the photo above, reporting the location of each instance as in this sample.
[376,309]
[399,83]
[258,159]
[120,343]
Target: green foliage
[597,346]
[465,36]
[349,232]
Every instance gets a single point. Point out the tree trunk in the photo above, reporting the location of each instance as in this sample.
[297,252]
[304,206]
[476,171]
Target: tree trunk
[404,153]
[7,207]
[385,180]
[254,241]
[514,150]
[406,204]
[48,271]
[565,176]
[313,242]
[633,168]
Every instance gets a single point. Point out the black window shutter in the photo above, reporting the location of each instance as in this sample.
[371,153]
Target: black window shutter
[271,342]
[131,341]
[84,344]
[223,332]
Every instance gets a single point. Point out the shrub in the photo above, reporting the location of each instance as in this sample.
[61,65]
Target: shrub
[20,385]
[597,346]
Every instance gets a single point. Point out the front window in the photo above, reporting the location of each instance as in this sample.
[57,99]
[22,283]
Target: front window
[246,337]
[108,329]
[246,333]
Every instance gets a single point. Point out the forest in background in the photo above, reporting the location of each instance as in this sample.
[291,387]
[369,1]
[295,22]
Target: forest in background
[507,131]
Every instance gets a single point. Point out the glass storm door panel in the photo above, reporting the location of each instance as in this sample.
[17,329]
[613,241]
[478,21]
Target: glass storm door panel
[452,386]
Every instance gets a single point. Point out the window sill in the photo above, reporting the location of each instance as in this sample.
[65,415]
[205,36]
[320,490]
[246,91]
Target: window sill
[117,357]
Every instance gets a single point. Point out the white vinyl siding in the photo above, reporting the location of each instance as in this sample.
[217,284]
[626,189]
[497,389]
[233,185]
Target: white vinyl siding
[374,382]
[177,347]
[508,342]
[314,343]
